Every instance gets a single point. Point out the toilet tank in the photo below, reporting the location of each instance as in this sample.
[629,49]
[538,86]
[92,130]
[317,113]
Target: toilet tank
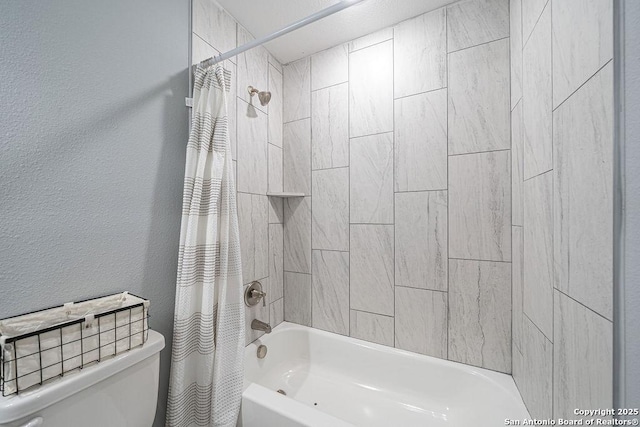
[121,391]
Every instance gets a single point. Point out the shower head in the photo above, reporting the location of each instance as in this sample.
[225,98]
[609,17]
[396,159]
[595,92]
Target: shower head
[264,97]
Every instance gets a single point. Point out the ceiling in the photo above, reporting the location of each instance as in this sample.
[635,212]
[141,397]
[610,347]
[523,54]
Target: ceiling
[262,17]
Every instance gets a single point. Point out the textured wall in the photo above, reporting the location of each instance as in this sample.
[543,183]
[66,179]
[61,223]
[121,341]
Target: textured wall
[256,139]
[562,136]
[400,141]
[92,141]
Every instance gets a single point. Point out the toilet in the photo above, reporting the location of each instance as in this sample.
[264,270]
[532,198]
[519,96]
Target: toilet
[121,391]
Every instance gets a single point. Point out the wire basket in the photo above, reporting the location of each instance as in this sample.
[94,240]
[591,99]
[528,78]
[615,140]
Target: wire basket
[42,346]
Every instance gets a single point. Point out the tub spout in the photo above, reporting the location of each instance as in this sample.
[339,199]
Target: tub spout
[258,325]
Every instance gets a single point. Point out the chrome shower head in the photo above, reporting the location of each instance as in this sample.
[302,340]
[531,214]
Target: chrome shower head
[264,96]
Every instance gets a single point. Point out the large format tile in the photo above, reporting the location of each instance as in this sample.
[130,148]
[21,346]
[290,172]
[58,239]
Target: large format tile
[470,23]
[276,261]
[258,311]
[421,142]
[421,240]
[253,70]
[276,312]
[538,252]
[371,39]
[297,156]
[371,268]
[330,67]
[536,99]
[297,90]
[330,283]
[517,260]
[479,313]
[583,358]
[297,298]
[297,234]
[252,151]
[275,106]
[371,93]
[583,193]
[479,206]
[531,11]
[330,209]
[330,127]
[275,169]
[479,98]
[421,321]
[517,162]
[276,210]
[420,54]
[253,226]
[515,39]
[371,179]
[582,43]
[535,379]
[214,25]
[371,327]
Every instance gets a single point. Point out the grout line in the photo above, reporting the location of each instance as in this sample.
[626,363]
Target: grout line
[446,24]
[419,93]
[327,169]
[536,326]
[524,42]
[421,191]
[349,180]
[532,177]
[375,314]
[330,86]
[479,260]
[421,289]
[583,305]
[371,45]
[370,223]
[393,176]
[477,45]
[479,152]
[579,87]
[372,134]
[296,120]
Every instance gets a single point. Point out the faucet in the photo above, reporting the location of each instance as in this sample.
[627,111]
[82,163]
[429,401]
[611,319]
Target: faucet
[258,325]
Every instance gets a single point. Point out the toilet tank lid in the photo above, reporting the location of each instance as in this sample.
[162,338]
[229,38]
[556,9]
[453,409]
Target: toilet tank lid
[15,407]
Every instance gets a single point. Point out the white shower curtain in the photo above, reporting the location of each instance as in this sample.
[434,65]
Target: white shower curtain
[208,335]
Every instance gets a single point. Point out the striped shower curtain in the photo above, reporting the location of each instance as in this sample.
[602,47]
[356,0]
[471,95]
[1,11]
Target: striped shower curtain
[208,334]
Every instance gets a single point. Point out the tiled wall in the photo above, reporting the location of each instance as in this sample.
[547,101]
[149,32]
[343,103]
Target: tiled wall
[401,142]
[562,144]
[256,134]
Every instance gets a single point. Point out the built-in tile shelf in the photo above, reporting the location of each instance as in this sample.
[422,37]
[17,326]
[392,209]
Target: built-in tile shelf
[285,195]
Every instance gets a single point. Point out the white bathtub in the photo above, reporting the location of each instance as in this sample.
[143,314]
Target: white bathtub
[332,380]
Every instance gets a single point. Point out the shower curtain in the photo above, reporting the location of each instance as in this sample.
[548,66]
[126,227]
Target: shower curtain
[208,335]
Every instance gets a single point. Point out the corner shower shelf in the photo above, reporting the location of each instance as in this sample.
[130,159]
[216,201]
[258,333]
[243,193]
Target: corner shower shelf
[285,195]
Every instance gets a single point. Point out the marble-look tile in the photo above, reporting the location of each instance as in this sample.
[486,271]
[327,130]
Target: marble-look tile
[275,63]
[583,193]
[275,106]
[297,156]
[421,321]
[330,67]
[531,11]
[276,261]
[258,311]
[371,268]
[200,49]
[330,294]
[517,261]
[297,234]
[582,43]
[515,39]
[470,23]
[330,209]
[479,98]
[583,358]
[371,90]
[536,99]
[232,109]
[276,210]
[214,25]
[371,39]
[252,151]
[297,90]
[371,179]
[275,169]
[538,252]
[421,240]
[330,127]
[517,162]
[480,206]
[276,312]
[421,142]
[371,327]
[297,298]
[479,313]
[420,54]
[254,236]
[535,376]
[253,70]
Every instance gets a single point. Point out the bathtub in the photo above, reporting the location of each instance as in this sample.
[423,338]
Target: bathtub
[337,381]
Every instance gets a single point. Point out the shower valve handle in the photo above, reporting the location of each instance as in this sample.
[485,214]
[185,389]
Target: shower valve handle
[259,294]
[254,293]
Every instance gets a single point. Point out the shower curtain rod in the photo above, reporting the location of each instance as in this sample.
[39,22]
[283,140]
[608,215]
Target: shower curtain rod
[291,27]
